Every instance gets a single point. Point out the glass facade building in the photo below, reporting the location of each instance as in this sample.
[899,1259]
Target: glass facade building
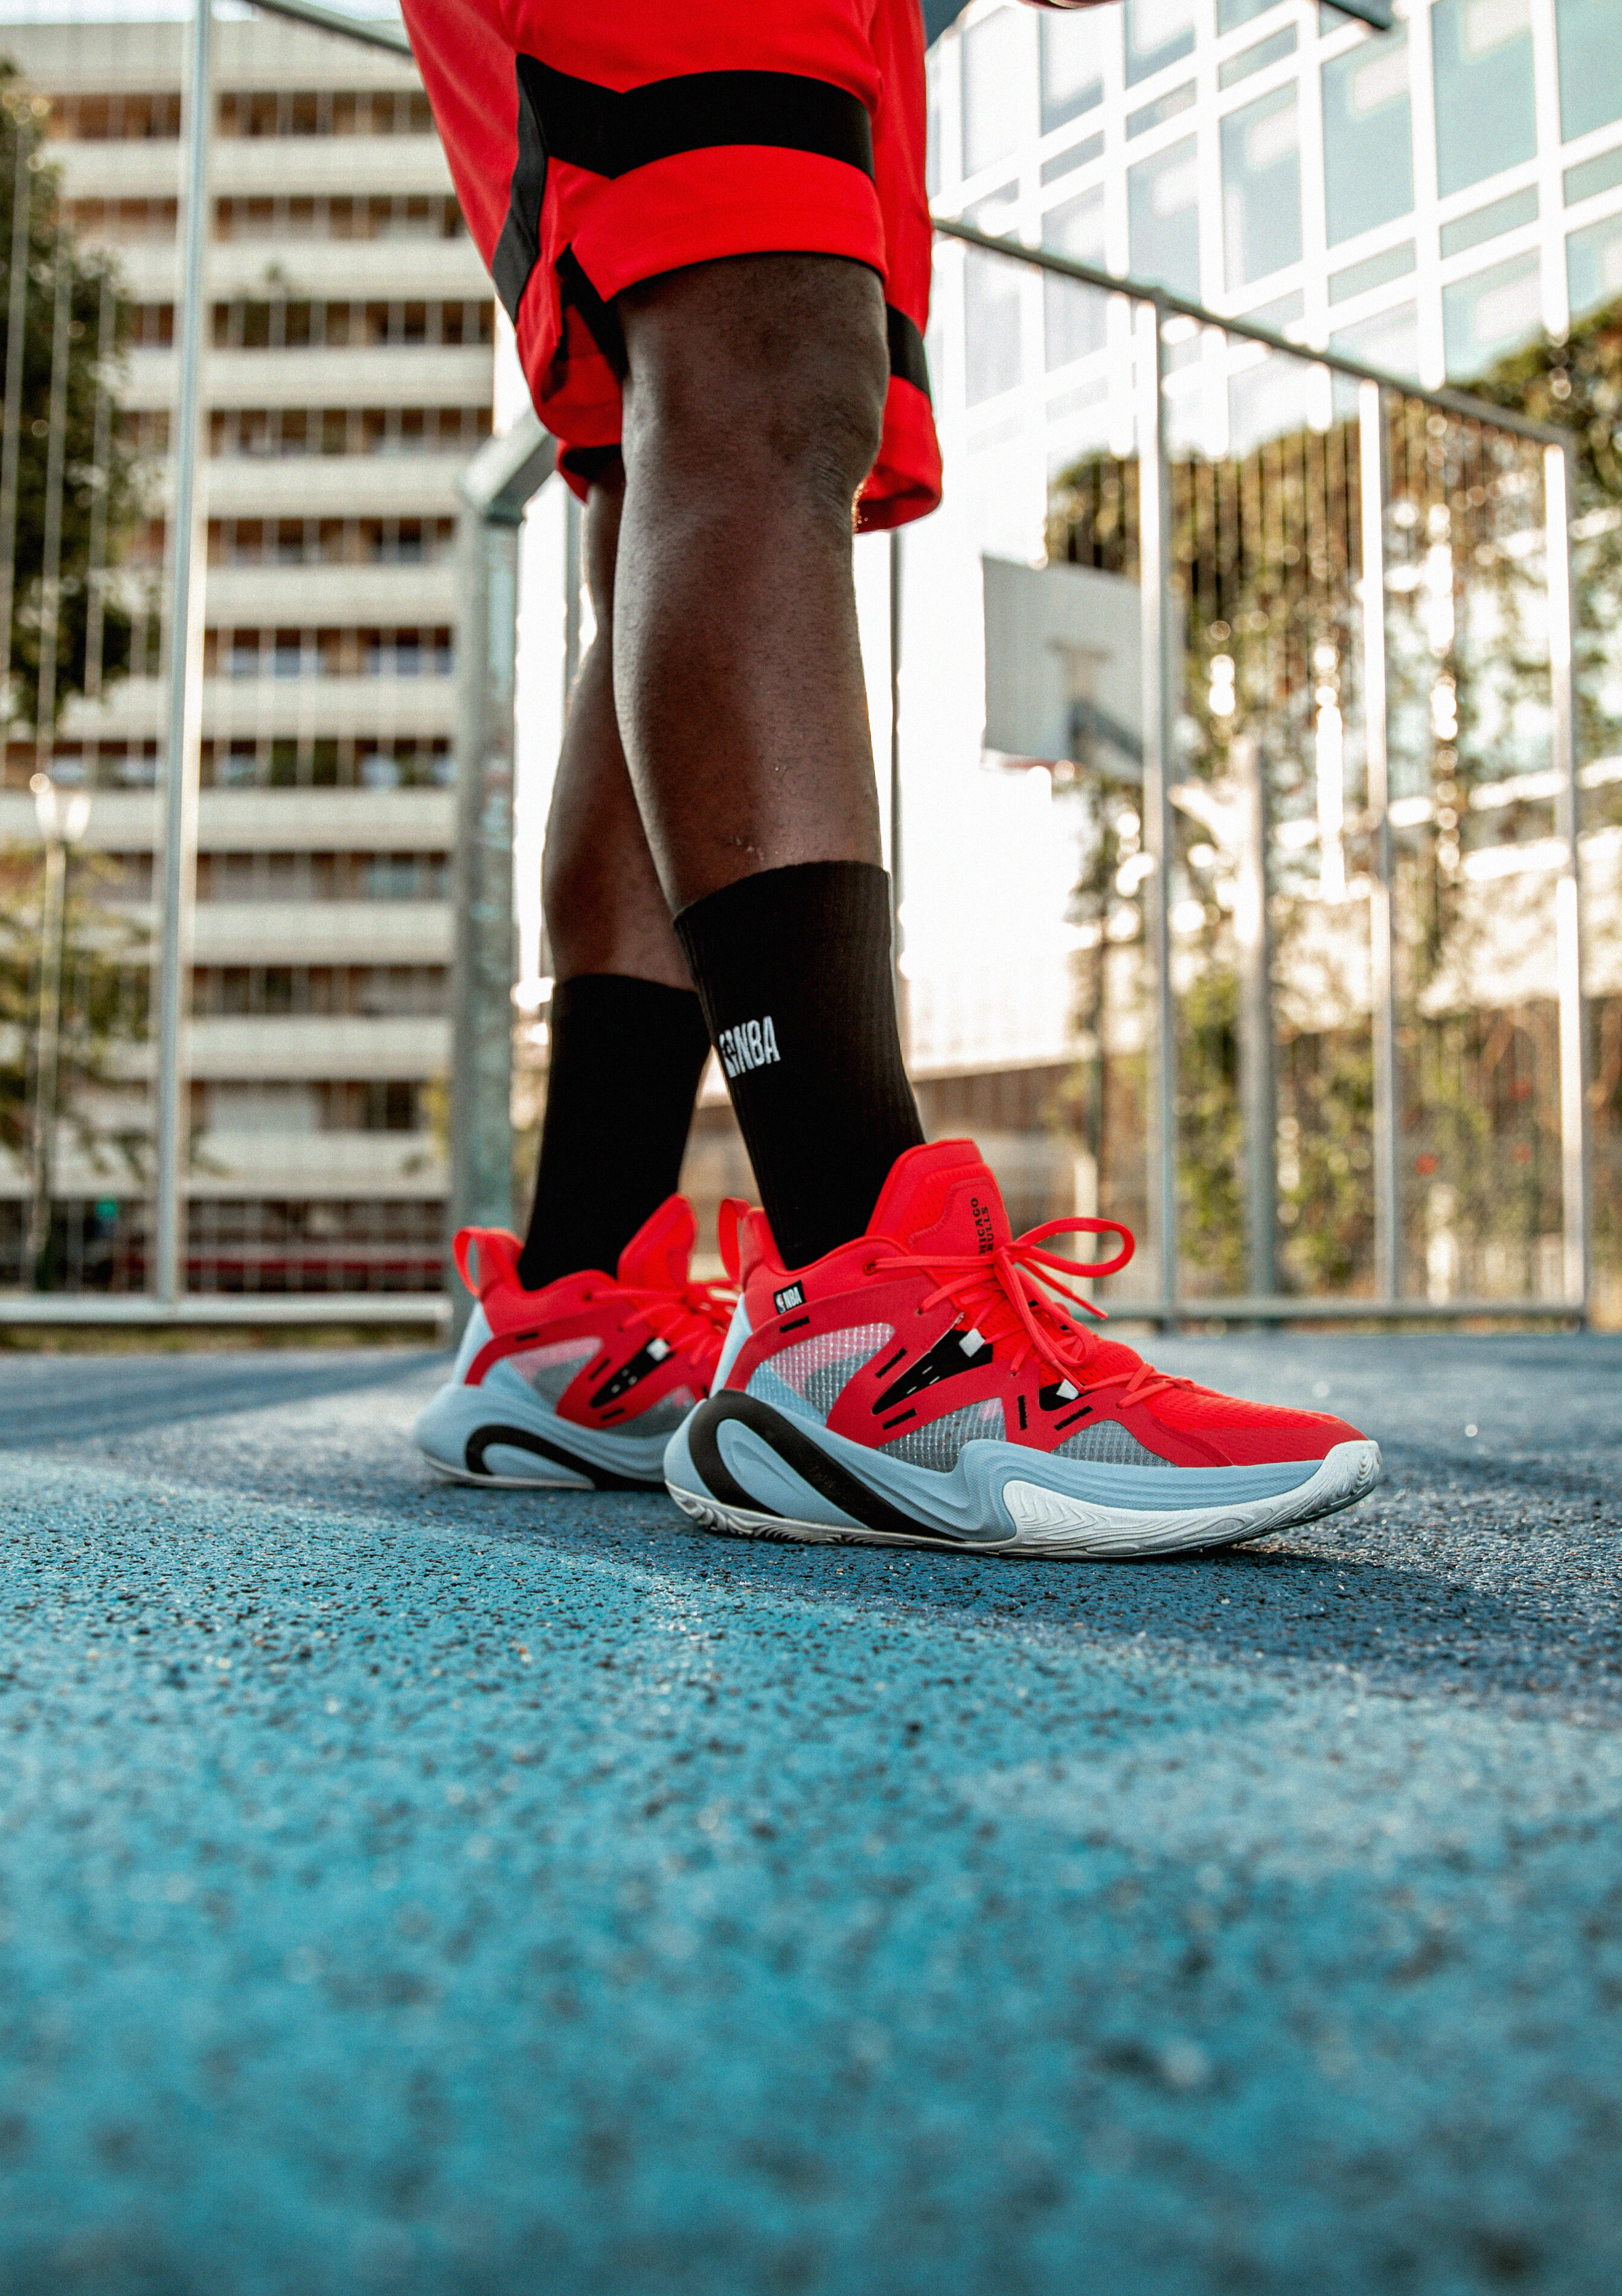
[1427,198]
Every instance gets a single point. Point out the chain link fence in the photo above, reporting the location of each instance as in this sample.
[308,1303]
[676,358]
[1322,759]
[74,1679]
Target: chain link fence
[1236,769]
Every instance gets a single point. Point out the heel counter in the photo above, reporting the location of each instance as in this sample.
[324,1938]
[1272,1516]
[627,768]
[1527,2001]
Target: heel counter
[737,1332]
[476,1336]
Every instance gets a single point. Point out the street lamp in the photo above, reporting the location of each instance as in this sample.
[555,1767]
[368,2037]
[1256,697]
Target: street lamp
[63,819]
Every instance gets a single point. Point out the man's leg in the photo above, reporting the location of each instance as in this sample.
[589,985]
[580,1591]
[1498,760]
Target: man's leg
[628,1040]
[586,1385]
[753,406]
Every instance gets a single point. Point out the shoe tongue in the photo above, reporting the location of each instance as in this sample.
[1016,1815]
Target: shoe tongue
[659,1255]
[942,1198]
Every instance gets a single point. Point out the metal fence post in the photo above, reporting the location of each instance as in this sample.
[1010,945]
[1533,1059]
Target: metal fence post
[1576,1216]
[1160,716]
[496,487]
[11,438]
[1383,969]
[183,738]
[1258,1073]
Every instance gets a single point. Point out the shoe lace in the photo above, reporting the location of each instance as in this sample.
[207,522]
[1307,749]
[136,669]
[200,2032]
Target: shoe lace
[696,1317]
[1007,1296]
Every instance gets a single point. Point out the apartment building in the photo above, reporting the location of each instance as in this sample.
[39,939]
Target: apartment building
[348,377]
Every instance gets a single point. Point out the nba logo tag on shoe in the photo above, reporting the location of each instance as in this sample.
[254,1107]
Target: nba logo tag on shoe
[749,1045]
[793,1296]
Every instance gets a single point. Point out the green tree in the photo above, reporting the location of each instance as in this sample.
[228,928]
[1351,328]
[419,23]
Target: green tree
[103,1005]
[1264,556]
[1575,381]
[73,491]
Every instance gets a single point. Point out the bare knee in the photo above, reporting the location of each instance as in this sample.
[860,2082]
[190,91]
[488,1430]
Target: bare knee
[763,371]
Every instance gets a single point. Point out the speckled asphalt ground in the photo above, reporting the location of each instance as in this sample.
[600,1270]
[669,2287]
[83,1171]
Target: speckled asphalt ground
[406,1888]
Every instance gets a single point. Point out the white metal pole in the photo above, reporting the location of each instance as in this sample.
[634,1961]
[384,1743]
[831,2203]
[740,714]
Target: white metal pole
[494,487]
[1382,971]
[16,336]
[1576,1211]
[1154,564]
[182,745]
[50,587]
[47,1056]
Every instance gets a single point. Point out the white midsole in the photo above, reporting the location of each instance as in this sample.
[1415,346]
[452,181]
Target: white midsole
[1057,1524]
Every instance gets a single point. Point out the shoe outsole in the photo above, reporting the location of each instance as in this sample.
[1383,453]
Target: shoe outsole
[1057,1526]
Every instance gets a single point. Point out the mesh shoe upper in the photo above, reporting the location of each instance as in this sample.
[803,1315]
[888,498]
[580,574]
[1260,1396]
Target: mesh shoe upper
[940,1327]
[630,1352]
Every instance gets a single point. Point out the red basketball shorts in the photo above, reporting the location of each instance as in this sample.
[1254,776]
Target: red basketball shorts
[597,144]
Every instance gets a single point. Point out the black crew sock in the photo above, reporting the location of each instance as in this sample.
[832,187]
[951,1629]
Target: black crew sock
[793,969]
[626,1056]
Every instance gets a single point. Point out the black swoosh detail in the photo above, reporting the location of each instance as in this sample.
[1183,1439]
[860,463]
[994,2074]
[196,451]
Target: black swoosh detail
[796,1450]
[519,1438]
[634,1368]
[944,1360]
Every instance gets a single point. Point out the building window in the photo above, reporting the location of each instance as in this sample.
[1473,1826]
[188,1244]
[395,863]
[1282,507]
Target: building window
[1593,264]
[263,1108]
[1590,79]
[122,219]
[932,130]
[1374,271]
[117,119]
[1163,219]
[1158,33]
[1072,66]
[1389,340]
[152,326]
[1252,60]
[1489,315]
[1231,14]
[994,89]
[1261,188]
[1481,52]
[330,430]
[1592,177]
[991,327]
[1074,316]
[323,111]
[1368,142]
[1163,108]
[408,215]
[1487,223]
[403,877]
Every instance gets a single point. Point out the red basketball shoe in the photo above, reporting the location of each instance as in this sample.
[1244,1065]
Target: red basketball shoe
[580,1384]
[931,1385]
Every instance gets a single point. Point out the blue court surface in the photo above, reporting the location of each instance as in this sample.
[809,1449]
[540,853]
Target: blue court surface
[411,1889]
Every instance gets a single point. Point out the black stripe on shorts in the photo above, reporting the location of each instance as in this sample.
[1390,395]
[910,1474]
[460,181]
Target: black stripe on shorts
[610,131]
[906,358]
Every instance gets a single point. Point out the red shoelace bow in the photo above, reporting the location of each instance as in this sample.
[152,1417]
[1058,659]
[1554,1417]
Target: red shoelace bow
[995,1293]
[696,1317]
